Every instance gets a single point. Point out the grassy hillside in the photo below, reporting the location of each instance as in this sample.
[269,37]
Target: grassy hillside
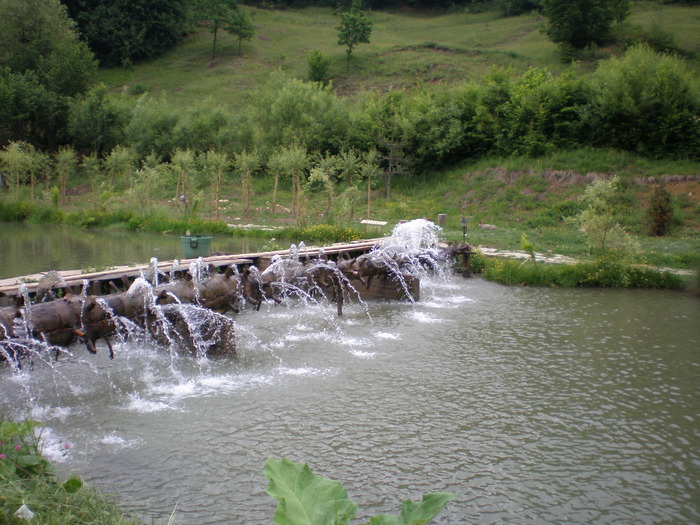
[407,49]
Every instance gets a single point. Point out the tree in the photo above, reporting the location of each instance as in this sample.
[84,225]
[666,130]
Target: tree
[215,163]
[223,14]
[598,220]
[17,161]
[579,23]
[324,172]
[240,25]
[383,124]
[348,168]
[646,102]
[66,162]
[45,67]
[153,127]
[92,168]
[119,165]
[369,168]
[204,126]
[246,163]
[183,162]
[276,164]
[96,123]
[290,111]
[122,31]
[295,159]
[317,66]
[355,28]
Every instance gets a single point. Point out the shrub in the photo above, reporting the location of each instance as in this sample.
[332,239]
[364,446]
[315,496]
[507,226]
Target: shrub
[601,273]
[317,64]
[321,233]
[659,212]
[16,211]
[647,103]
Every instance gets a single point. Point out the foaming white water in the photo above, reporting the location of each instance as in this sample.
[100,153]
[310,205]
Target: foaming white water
[145,406]
[116,442]
[423,317]
[447,302]
[387,335]
[307,372]
[206,385]
[42,413]
[53,447]
[414,235]
[365,355]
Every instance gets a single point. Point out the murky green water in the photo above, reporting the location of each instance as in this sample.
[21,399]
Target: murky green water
[532,405]
[32,248]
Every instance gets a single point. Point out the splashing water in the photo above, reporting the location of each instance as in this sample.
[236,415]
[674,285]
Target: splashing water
[413,236]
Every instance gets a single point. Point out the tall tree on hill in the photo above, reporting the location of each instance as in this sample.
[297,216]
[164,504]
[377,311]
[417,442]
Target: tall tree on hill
[43,66]
[241,26]
[223,14]
[580,23]
[355,28]
[121,31]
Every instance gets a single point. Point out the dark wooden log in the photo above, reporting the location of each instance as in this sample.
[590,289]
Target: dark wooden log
[64,321]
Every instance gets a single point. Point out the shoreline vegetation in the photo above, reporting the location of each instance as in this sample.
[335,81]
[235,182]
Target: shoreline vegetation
[610,270]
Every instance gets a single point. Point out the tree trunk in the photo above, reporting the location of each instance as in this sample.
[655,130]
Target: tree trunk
[274,191]
[89,318]
[369,198]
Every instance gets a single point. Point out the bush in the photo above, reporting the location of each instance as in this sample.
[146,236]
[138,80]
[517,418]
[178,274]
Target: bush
[321,233]
[16,211]
[647,103]
[318,64]
[600,273]
[660,211]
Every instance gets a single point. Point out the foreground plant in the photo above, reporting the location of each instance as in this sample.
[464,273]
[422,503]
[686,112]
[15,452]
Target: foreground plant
[30,490]
[309,499]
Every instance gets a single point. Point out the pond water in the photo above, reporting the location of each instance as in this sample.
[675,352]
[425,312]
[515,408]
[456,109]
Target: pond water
[531,405]
[33,248]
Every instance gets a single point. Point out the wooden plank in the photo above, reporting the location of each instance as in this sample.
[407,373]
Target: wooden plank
[75,278]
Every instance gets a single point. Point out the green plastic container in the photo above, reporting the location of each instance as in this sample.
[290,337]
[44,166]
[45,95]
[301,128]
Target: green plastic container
[194,246]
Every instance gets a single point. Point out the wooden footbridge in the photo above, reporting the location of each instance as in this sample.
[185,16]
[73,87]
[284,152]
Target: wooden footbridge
[114,279]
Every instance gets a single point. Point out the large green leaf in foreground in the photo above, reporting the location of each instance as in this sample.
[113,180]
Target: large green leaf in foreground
[416,513]
[305,498]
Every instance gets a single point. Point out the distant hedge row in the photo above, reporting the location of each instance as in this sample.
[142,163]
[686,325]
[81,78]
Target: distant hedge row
[642,102]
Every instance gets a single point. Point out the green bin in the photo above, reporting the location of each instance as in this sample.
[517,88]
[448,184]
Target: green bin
[194,246]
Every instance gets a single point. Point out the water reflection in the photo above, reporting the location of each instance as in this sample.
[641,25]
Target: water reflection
[32,248]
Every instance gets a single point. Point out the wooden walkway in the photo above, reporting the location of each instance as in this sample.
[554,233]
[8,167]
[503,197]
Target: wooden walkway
[75,279]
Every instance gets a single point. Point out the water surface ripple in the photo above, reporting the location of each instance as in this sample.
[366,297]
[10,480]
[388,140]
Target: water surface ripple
[532,405]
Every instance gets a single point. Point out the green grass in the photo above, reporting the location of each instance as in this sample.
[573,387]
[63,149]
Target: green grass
[599,273]
[406,50]
[30,482]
